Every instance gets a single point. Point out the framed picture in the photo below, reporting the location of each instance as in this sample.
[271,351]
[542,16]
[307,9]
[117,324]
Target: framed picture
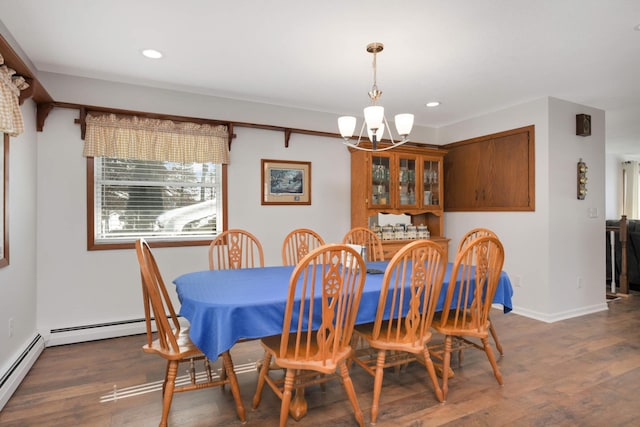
[286,182]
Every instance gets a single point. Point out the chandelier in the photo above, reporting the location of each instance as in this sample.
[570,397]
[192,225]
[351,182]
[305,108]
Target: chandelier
[374,118]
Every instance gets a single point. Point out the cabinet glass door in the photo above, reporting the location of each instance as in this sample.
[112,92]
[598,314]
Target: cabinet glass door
[407,181]
[380,181]
[431,182]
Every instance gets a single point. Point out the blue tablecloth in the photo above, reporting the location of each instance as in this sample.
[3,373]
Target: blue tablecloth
[224,306]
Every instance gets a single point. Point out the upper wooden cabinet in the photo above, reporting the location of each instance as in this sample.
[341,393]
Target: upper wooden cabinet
[405,180]
[491,173]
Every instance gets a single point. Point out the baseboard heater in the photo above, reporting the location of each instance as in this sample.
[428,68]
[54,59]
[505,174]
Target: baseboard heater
[96,331]
[12,378]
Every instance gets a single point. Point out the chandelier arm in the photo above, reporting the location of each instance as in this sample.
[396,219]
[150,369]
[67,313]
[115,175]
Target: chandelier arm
[360,135]
[389,147]
[393,143]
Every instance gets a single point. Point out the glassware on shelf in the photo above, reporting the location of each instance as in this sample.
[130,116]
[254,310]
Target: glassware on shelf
[399,232]
[387,232]
[411,231]
[427,197]
[379,174]
[423,231]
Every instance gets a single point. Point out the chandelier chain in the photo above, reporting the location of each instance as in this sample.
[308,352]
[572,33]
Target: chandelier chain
[375,93]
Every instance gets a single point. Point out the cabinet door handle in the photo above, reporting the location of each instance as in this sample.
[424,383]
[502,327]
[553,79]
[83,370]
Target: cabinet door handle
[483,198]
[476,195]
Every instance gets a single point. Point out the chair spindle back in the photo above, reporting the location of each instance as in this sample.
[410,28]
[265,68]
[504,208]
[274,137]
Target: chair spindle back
[234,249]
[324,295]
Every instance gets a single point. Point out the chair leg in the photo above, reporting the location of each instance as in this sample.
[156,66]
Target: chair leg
[286,396]
[377,385]
[432,374]
[192,371]
[207,369]
[223,374]
[494,335]
[233,383]
[351,393]
[170,384]
[264,371]
[166,375]
[446,363]
[492,359]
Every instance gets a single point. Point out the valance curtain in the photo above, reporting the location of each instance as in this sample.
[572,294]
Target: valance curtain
[630,171]
[10,86]
[141,138]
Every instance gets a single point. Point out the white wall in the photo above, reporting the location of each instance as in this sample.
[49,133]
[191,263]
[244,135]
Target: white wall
[549,248]
[577,274]
[77,287]
[18,281]
[523,234]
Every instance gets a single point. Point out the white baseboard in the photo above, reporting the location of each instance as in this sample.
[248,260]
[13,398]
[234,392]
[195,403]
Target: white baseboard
[11,379]
[555,317]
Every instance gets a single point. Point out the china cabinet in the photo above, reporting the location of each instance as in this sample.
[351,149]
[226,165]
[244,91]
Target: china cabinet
[406,180]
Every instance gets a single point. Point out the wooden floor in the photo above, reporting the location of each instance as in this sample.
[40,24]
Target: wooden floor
[578,372]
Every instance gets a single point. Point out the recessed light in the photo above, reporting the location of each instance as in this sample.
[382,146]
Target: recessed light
[152,53]
[637,27]
[433,104]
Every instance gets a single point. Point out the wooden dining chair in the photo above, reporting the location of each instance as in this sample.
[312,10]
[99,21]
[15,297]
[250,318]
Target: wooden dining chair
[465,316]
[235,248]
[402,329]
[316,333]
[299,243]
[367,238]
[472,234]
[173,343]
[466,239]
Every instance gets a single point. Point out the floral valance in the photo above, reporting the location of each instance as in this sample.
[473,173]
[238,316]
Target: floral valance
[142,138]
[10,87]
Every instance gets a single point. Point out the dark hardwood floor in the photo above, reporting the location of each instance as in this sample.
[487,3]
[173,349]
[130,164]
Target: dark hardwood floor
[578,372]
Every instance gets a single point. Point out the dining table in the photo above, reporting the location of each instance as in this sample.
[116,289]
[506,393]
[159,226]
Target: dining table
[226,306]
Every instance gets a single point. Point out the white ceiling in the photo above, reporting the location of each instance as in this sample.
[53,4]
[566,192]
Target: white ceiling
[473,56]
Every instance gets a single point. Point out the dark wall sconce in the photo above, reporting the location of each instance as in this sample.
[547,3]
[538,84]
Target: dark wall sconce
[583,124]
[582,180]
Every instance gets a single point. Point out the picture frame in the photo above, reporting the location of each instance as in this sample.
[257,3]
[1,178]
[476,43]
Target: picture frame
[285,182]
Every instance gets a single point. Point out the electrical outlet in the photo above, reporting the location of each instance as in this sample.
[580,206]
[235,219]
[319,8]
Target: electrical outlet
[517,281]
[580,282]
[10,327]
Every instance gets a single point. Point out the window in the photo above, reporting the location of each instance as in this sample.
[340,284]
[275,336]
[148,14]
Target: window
[169,202]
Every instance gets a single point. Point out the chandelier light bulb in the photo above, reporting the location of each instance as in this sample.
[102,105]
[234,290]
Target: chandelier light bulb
[374,115]
[347,125]
[404,124]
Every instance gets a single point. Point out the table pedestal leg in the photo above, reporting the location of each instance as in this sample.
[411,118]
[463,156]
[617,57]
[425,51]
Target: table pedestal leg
[298,407]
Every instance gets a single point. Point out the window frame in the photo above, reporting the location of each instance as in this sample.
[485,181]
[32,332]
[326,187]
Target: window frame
[92,245]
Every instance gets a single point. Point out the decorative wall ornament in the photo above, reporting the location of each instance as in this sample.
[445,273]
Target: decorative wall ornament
[582,180]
